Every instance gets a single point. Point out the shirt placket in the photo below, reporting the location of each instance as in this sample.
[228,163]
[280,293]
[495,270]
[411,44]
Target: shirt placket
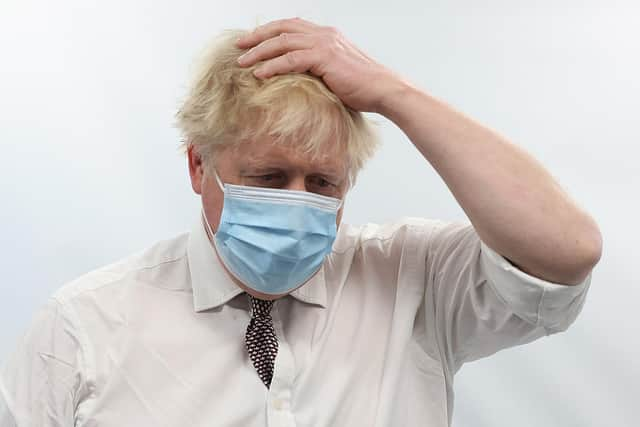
[279,396]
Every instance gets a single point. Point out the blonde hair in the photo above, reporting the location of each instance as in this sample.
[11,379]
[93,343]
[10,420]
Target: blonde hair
[226,104]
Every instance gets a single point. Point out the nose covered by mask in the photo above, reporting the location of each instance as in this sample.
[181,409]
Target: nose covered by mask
[274,240]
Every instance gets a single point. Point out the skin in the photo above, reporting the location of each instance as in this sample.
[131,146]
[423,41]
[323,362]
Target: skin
[512,201]
[262,163]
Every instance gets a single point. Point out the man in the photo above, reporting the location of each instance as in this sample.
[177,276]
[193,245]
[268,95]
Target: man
[271,312]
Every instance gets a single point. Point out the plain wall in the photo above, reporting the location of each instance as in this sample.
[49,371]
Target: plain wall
[90,171]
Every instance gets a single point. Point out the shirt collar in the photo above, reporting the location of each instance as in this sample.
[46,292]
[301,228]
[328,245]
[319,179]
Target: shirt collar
[212,286]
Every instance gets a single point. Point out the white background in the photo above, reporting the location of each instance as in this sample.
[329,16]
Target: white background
[90,171]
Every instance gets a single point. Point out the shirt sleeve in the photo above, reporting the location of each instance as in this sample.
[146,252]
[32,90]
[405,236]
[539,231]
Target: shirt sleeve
[483,303]
[41,382]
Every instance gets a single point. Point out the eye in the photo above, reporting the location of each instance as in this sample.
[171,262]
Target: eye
[321,182]
[266,179]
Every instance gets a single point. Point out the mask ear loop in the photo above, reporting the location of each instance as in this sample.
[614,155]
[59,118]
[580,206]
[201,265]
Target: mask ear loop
[206,223]
[220,184]
[204,216]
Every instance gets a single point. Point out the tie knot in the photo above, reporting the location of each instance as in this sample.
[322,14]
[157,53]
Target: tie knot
[260,307]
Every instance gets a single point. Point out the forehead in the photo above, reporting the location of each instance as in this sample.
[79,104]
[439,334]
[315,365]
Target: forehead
[264,153]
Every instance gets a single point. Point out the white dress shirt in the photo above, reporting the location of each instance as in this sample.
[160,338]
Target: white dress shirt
[373,339]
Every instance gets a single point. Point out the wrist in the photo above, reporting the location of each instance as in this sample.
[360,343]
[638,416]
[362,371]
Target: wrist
[394,98]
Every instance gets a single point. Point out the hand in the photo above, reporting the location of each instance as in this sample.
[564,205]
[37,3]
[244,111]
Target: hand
[296,45]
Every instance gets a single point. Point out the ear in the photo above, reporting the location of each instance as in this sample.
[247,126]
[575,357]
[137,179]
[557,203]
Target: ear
[196,169]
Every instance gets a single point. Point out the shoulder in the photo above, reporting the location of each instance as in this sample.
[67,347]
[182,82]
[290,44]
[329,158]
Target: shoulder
[407,239]
[401,231]
[151,264]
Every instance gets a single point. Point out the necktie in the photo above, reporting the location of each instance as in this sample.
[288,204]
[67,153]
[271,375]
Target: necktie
[261,341]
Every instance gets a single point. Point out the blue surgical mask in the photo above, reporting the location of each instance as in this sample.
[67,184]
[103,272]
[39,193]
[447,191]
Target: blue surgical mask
[274,240]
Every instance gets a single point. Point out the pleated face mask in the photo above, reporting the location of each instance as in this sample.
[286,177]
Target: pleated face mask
[273,240]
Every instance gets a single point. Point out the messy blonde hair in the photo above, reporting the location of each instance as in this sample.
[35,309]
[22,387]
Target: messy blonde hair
[227,104]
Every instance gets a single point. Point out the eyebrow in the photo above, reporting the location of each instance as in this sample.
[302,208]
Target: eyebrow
[257,169]
[265,167]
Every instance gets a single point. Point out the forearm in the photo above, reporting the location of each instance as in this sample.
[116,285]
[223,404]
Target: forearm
[514,204]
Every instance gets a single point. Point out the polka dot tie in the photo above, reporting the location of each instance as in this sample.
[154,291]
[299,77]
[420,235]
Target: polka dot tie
[262,344]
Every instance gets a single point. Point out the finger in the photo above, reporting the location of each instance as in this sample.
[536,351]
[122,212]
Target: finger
[274,28]
[276,46]
[297,61]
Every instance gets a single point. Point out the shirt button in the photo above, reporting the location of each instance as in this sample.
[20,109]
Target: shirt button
[277,403]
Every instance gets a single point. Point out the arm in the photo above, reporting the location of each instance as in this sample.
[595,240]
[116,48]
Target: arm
[41,383]
[514,204]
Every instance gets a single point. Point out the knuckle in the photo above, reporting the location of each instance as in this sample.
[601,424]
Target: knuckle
[284,39]
[278,25]
[331,44]
[293,58]
[332,31]
[286,23]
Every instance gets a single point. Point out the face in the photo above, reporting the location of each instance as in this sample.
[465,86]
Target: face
[261,163]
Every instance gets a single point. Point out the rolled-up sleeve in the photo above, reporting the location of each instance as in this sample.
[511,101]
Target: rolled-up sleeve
[482,303]
[553,306]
